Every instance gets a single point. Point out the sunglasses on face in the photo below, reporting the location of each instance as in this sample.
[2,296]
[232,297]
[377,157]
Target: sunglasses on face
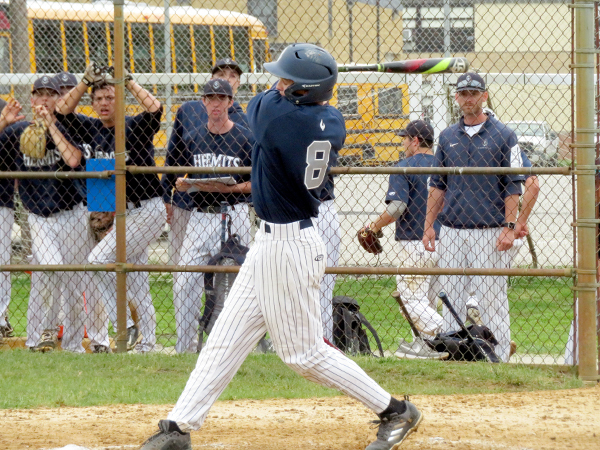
[470,84]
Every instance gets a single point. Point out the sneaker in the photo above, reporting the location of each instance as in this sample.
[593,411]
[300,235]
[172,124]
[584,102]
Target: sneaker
[101,349]
[473,315]
[169,437]
[418,349]
[48,341]
[393,429]
[133,337]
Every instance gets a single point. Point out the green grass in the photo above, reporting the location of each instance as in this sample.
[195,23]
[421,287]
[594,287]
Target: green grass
[540,309]
[30,380]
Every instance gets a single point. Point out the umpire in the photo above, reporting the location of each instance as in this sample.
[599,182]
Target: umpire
[478,213]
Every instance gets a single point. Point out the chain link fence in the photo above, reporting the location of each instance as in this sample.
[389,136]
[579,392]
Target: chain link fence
[523,51]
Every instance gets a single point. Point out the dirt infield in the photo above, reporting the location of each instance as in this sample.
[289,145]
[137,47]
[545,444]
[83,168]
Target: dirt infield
[540,420]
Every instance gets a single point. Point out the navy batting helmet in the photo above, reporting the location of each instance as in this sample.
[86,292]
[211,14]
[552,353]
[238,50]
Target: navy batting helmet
[311,68]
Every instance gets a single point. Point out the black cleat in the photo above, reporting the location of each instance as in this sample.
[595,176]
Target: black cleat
[394,428]
[170,437]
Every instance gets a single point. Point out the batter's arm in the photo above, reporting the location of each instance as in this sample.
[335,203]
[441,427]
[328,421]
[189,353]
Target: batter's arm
[435,202]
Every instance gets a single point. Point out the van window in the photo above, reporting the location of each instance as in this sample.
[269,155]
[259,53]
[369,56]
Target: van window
[347,100]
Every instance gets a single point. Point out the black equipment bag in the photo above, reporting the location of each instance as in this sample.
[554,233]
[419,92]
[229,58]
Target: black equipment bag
[457,344]
[349,334]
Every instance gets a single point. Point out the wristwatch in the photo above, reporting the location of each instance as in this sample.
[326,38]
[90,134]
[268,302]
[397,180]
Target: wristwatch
[509,225]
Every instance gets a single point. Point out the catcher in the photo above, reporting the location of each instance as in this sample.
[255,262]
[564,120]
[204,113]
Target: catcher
[406,206]
[57,216]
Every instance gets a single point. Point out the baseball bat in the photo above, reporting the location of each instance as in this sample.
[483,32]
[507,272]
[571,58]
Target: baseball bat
[427,65]
[398,299]
[444,298]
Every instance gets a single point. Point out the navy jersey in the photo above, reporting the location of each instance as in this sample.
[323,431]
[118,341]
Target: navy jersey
[412,190]
[99,143]
[477,201]
[295,146]
[231,149]
[42,197]
[188,120]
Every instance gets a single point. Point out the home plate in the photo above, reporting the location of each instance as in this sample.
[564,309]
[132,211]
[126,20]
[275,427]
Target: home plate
[71,447]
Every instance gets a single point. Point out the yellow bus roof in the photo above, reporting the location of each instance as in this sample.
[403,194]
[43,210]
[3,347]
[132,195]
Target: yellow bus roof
[143,13]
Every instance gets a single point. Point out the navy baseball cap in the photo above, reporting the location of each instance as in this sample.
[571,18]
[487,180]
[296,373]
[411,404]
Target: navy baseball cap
[218,87]
[420,129]
[470,81]
[66,79]
[227,62]
[46,82]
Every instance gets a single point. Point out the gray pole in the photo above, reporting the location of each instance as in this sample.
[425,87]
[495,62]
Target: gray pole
[330,17]
[168,69]
[17,10]
[349,5]
[378,26]
[447,28]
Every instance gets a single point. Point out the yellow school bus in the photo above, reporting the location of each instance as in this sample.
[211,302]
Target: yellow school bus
[373,112]
[67,36]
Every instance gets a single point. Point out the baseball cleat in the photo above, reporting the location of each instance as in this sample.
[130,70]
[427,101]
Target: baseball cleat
[418,349]
[395,428]
[133,337]
[48,341]
[169,437]
[474,316]
[101,349]
[6,330]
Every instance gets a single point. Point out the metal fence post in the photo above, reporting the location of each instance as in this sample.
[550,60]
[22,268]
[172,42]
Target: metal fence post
[585,156]
[120,183]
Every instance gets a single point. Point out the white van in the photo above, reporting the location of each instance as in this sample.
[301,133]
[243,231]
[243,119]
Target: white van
[537,140]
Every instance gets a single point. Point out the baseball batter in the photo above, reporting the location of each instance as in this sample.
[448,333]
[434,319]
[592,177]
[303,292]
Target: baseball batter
[277,290]
[478,213]
[406,206]
[145,210]
[56,213]
[217,143]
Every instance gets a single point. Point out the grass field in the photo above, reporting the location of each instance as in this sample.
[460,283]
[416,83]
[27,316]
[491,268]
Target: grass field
[541,309]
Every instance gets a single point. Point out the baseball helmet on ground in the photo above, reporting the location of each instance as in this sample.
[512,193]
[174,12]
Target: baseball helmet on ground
[311,68]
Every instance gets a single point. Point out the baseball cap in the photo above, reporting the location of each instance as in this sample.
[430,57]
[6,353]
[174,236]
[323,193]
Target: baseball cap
[227,62]
[470,82]
[420,129]
[218,87]
[46,82]
[66,79]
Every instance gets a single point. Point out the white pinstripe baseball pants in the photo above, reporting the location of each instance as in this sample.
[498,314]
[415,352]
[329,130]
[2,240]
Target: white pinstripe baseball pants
[6,224]
[476,249]
[277,290]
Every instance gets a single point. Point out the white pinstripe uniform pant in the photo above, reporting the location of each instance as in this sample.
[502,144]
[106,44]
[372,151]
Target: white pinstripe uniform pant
[144,224]
[202,242]
[7,220]
[277,290]
[419,292]
[328,225]
[58,239]
[476,248]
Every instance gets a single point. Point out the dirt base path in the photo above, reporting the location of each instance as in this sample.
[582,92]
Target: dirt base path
[540,420]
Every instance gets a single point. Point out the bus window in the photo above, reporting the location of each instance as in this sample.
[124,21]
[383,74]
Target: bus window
[48,46]
[75,47]
[202,45]
[347,100]
[390,101]
[97,42]
[241,47]
[4,61]
[158,32]
[141,47]
[183,55]
[222,42]
[260,50]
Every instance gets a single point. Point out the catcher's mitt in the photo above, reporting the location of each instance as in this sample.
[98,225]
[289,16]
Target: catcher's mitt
[369,240]
[101,223]
[33,139]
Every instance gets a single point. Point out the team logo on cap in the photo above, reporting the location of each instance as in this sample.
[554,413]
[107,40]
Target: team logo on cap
[468,78]
[228,61]
[65,78]
[45,79]
[216,84]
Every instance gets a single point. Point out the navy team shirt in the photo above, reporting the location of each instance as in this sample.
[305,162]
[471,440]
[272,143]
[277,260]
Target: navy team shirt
[231,149]
[99,142]
[189,119]
[295,146]
[412,190]
[477,201]
[42,197]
